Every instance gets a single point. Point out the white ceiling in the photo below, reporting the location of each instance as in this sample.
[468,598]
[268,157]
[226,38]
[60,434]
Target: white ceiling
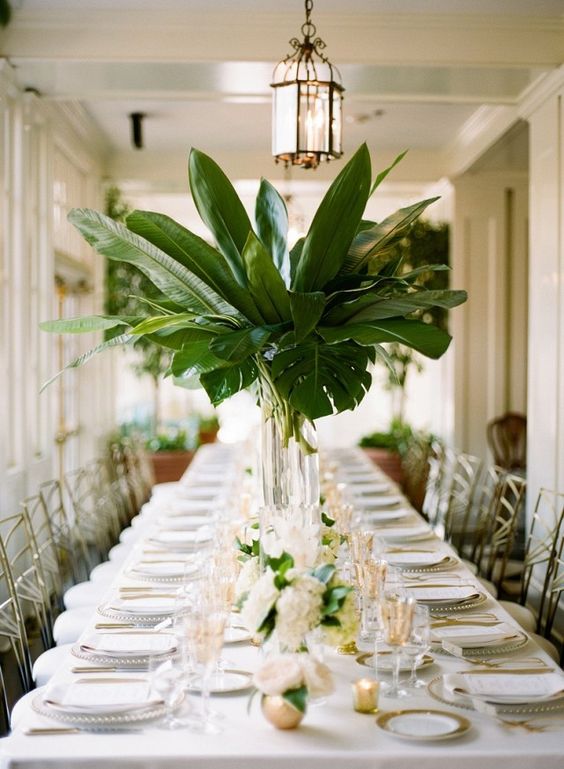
[447,75]
[501,7]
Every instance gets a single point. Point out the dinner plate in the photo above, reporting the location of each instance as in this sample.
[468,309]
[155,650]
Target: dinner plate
[138,618]
[447,598]
[416,533]
[183,522]
[162,570]
[439,692]
[370,487]
[375,517]
[385,661]
[225,682]
[134,647]
[472,640]
[417,558]
[180,540]
[424,725]
[377,502]
[105,722]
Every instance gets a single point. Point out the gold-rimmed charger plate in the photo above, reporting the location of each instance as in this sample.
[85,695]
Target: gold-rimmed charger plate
[423,725]
[386,657]
[438,692]
[464,605]
[226,682]
[502,646]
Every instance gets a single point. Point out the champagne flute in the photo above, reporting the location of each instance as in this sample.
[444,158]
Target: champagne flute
[205,630]
[397,612]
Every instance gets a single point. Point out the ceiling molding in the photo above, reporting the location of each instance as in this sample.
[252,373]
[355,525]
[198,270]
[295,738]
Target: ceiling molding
[540,91]
[164,35]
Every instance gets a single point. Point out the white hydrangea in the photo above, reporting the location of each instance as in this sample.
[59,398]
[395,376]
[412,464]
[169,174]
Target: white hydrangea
[261,599]
[317,677]
[302,542]
[298,610]
[248,577]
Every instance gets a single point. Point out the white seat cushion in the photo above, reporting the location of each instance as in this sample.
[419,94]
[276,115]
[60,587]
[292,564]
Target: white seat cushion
[470,566]
[22,707]
[70,624]
[85,594]
[520,614]
[119,553]
[489,586]
[105,571]
[546,646]
[48,663]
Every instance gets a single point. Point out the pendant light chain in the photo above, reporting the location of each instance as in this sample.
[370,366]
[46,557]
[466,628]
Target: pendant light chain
[308,28]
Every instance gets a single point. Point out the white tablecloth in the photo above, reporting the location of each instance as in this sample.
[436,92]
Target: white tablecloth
[331,736]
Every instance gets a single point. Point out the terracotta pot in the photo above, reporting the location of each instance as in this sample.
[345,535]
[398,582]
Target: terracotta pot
[207,436]
[388,461]
[280,713]
[170,465]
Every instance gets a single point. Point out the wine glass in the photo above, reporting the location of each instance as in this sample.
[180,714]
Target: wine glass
[205,630]
[418,644]
[397,612]
[167,681]
[372,576]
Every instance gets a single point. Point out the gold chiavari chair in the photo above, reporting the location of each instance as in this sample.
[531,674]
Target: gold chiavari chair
[476,524]
[135,477]
[4,708]
[544,543]
[12,627]
[441,466]
[109,495]
[47,552]
[27,576]
[72,553]
[499,537]
[120,471]
[461,497]
[90,513]
[551,623]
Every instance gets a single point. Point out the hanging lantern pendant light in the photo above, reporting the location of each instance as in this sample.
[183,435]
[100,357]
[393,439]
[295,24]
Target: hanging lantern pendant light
[307,103]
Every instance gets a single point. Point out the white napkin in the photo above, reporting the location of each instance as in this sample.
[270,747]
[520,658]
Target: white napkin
[377,502]
[468,636]
[506,687]
[143,605]
[451,594]
[379,516]
[416,558]
[183,521]
[129,644]
[101,695]
[406,533]
[371,487]
[164,568]
[179,537]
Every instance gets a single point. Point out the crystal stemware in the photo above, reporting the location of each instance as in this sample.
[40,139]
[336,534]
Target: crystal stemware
[167,681]
[397,612]
[418,644]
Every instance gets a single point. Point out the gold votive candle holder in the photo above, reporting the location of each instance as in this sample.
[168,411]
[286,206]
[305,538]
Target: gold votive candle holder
[365,695]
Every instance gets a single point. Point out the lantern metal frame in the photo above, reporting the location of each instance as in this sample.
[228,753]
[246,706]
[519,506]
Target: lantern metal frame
[303,71]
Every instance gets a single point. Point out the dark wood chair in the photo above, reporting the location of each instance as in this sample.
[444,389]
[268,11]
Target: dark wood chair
[507,439]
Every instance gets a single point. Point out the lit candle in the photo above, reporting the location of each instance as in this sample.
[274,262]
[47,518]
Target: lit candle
[365,695]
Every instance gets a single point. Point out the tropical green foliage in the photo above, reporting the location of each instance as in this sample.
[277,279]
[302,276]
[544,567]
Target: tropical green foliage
[306,324]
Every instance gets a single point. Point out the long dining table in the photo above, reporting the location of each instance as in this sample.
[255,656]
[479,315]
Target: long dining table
[332,735]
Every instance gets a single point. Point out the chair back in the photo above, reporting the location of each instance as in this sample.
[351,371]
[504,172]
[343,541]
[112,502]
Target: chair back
[487,494]
[461,497]
[500,536]
[72,553]
[45,542]
[507,439]
[27,575]
[12,626]
[88,517]
[542,551]
[439,479]
[416,469]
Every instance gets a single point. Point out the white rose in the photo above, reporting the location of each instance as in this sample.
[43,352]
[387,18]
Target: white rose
[298,610]
[278,674]
[260,601]
[317,676]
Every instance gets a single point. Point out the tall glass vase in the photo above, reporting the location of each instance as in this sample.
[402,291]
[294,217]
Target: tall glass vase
[289,462]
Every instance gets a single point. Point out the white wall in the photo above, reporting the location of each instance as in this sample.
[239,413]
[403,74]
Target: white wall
[33,135]
[546,283]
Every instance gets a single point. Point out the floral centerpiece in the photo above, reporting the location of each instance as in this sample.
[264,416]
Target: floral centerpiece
[292,603]
[286,682]
[302,326]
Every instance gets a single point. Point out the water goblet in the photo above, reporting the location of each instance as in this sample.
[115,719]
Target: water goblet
[418,644]
[167,680]
[397,612]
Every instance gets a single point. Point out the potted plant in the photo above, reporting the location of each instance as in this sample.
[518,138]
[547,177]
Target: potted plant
[300,327]
[170,455]
[207,429]
[387,448]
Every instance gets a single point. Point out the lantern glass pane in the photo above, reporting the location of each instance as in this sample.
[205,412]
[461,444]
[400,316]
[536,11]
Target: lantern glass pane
[337,124]
[284,119]
[314,118]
